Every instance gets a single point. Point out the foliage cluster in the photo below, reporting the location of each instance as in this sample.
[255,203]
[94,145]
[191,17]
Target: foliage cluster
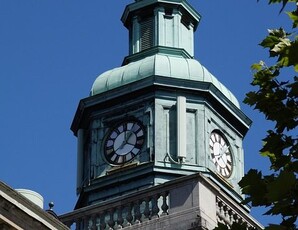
[276,97]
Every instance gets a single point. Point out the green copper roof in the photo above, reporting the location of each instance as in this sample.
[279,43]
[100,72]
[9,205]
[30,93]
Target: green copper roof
[158,65]
[139,4]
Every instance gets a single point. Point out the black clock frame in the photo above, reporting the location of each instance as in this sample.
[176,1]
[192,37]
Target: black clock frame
[135,127]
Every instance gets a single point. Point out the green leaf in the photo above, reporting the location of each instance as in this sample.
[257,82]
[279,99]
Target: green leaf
[270,41]
[257,66]
[281,45]
[294,17]
[269,154]
[281,187]
[276,96]
[294,166]
[290,56]
[278,33]
[275,227]
[221,227]
[254,185]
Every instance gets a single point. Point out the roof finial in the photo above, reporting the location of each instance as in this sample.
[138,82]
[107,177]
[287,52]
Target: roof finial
[51,205]
[51,211]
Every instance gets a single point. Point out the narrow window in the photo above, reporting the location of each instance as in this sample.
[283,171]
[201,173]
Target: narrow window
[146,33]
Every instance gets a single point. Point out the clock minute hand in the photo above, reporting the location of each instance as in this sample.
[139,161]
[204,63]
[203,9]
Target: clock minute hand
[224,150]
[127,136]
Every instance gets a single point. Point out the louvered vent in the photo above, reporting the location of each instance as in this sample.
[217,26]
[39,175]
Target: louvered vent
[146,34]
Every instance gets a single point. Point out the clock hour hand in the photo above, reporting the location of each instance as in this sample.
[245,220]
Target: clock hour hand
[127,135]
[121,146]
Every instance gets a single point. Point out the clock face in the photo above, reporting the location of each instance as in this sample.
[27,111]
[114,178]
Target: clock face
[124,142]
[221,154]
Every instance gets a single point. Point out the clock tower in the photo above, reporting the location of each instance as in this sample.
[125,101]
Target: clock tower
[159,116]
[157,119]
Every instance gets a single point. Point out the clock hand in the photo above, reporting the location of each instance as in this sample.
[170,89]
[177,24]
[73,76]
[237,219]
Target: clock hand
[224,150]
[219,157]
[122,145]
[127,136]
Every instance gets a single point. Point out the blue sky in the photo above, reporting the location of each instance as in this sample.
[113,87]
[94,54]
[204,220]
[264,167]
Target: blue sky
[52,51]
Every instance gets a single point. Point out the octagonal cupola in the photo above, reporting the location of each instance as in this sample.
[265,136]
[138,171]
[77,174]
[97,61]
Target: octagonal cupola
[159,116]
[160,23]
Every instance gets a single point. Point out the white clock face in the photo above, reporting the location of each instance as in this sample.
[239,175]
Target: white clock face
[124,142]
[221,154]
